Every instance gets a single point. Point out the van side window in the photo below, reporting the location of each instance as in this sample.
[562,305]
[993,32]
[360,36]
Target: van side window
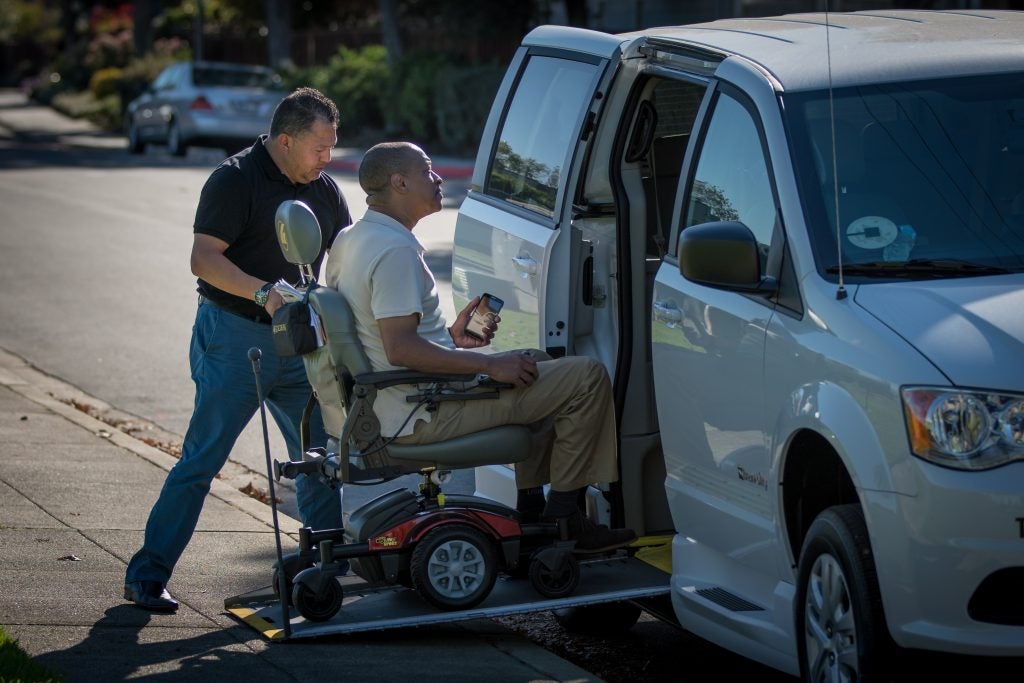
[538,130]
[732,178]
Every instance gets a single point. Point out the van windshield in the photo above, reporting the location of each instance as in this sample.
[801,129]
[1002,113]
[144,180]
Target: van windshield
[929,176]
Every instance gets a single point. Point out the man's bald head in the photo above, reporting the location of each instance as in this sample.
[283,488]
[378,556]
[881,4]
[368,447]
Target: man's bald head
[382,161]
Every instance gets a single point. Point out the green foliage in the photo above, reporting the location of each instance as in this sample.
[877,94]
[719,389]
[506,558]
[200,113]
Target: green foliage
[17,667]
[29,20]
[408,102]
[463,101]
[105,112]
[106,82]
[354,79]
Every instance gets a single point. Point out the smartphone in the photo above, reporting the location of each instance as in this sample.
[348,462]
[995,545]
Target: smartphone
[488,307]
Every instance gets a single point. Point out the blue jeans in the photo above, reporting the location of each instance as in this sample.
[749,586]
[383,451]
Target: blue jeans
[226,399]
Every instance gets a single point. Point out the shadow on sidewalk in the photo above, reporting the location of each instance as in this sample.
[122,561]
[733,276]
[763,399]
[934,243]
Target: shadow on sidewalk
[115,650]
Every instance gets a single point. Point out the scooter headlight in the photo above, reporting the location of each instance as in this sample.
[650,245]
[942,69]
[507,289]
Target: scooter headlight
[969,430]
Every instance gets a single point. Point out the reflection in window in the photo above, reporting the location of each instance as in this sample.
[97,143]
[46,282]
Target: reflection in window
[538,130]
[731,183]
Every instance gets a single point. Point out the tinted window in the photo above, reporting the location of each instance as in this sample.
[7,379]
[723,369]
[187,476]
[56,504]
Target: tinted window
[731,182]
[234,78]
[922,170]
[539,128]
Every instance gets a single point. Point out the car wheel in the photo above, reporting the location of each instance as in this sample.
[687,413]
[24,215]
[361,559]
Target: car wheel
[841,632]
[175,145]
[453,567]
[605,619]
[135,144]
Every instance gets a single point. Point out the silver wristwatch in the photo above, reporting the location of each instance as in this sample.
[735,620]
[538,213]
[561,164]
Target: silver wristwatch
[262,294]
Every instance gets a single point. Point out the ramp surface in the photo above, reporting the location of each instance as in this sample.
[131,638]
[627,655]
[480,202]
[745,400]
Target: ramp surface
[369,607]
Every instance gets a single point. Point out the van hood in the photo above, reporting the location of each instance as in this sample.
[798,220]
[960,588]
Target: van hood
[972,329]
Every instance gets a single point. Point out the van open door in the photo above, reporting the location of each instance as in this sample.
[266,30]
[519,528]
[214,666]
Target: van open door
[509,233]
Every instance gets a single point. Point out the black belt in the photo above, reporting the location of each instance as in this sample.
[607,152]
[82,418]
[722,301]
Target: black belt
[261,319]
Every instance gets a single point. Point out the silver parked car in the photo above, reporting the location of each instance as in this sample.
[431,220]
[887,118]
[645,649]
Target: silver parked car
[213,104]
[797,245]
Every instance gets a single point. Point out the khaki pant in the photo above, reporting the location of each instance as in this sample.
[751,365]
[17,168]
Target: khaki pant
[575,393]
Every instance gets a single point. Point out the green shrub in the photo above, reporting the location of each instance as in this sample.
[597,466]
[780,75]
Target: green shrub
[106,82]
[105,112]
[408,102]
[17,667]
[462,103]
[354,80]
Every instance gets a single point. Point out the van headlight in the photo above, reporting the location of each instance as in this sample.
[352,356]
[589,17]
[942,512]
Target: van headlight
[967,430]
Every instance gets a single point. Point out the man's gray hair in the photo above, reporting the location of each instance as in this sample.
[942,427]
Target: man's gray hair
[297,112]
[384,159]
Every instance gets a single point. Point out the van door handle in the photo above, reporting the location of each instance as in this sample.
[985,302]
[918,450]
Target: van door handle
[668,313]
[525,265]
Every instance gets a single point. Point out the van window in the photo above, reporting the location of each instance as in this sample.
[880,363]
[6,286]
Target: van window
[539,129]
[732,178]
[925,170]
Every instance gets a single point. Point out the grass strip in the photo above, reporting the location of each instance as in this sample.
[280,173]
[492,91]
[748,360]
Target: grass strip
[17,667]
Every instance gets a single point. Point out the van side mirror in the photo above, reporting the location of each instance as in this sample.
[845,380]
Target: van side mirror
[298,232]
[724,255]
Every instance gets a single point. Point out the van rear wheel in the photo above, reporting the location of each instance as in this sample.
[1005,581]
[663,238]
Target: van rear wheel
[841,633]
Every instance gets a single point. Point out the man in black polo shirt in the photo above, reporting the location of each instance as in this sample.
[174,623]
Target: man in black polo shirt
[236,257]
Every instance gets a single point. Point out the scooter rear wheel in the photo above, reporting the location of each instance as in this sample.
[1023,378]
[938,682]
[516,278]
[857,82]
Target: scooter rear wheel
[318,606]
[454,567]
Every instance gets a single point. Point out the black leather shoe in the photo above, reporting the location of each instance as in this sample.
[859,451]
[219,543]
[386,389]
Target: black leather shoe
[596,538]
[150,595]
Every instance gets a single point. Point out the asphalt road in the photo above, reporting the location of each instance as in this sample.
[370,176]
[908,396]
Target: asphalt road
[94,264]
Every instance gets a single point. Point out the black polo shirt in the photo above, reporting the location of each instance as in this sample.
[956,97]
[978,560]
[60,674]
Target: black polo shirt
[238,204]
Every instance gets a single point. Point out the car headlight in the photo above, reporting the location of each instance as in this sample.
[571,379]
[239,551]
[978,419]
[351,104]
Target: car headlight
[967,430]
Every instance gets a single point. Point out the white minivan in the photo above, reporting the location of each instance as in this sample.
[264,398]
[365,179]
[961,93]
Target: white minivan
[797,245]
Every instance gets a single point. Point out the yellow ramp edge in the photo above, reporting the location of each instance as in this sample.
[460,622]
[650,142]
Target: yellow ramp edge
[655,551]
[269,631]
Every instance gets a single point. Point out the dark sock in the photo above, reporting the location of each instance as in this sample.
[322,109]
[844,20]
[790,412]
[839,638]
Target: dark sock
[530,501]
[562,503]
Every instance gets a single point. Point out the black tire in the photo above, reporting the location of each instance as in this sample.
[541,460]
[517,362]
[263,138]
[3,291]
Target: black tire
[605,619]
[320,606]
[554,573]
[454,567]
[135,145]
[175,145]
[840,624]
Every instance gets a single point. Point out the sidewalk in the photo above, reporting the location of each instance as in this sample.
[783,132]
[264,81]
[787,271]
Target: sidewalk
[74,497]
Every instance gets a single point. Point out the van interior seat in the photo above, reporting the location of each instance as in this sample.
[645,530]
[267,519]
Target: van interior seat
[667,154]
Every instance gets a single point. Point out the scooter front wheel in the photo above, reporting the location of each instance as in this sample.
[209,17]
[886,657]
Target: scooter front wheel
[318,606]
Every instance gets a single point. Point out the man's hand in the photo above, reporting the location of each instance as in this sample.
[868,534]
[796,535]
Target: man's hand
[468,341]
[514,367]
[274,302]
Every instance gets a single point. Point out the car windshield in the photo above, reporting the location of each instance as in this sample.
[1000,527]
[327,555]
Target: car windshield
[235,78]
[929,176]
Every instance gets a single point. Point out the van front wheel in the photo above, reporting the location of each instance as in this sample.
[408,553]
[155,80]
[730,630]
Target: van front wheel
[841,633]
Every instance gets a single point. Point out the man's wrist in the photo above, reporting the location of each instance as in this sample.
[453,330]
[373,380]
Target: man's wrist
[261,295]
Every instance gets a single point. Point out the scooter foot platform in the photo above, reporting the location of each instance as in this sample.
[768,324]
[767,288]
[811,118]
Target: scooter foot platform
[376,607]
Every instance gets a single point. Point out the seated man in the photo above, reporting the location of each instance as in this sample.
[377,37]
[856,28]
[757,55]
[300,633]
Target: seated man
[378,265]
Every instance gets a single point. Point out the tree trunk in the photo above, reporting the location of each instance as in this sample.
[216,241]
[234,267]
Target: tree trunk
[142,24]
[279,32]
[389,29]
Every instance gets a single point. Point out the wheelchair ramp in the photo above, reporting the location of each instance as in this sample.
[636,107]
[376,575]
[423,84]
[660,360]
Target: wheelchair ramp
[376,608]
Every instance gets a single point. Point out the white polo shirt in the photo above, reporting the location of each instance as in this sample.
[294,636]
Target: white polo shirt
[377,264]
